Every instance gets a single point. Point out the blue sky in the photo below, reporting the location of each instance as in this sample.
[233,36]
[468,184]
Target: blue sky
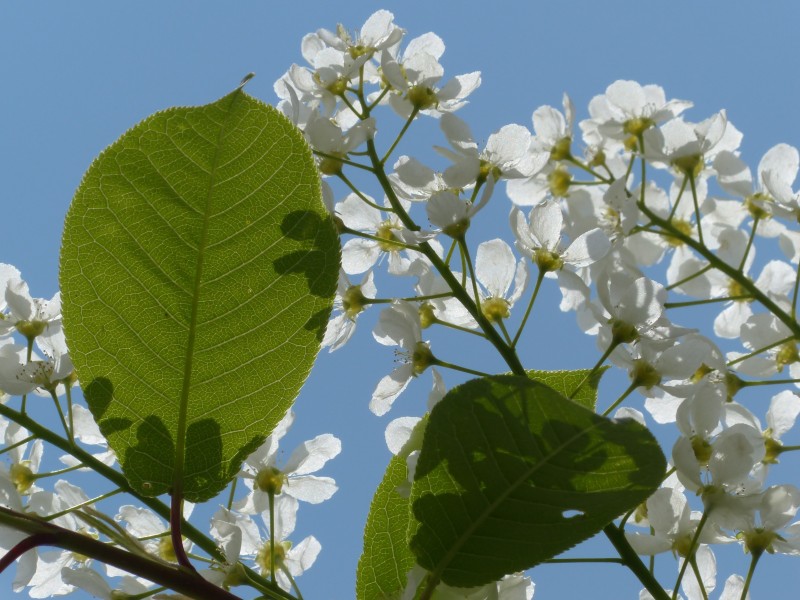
[76,75]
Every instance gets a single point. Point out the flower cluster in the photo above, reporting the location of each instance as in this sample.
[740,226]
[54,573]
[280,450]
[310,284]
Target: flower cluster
[624,211]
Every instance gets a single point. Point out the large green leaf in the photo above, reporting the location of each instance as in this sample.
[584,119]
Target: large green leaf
[387,559]
[198,270]
[565,383]
[512,474]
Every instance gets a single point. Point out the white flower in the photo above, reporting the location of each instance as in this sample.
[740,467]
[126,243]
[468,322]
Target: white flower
[93,583]
[31,316]
[674,526]
[503,156]
[549,145]
[415,181]
[399,325]
[539,238]
[389,236]
[770,348]
[48,579]
[261,473]
[781,416]
[689,147]
[628,109]
[326,136]
[351,300]
[415,75]
[86,431]
[26,564]
[511,587]
[726,462]
[453,215]
[772,192]
[378,33]
[46,377]
[154,534]
[496,269]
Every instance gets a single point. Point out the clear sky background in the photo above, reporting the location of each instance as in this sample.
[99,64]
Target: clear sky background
[76,75]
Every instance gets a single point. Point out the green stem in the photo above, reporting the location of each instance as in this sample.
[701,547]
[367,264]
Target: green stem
[462,242]
[750,572]
[539,280]
[293,582]
[611,347]
[61,416]
[369,236]
[749,243]
[441,267]
[699,578]
[232,492]
[560,561]
[633,562]
[343,160]
[81,505]
[690,553]
[447,365]
[503,329]
[271,496]
[697,212]
[694,275]
[678,199]
[55,473]
[634,384]
[706,301]
[400,135]
[17,444]
[759,351]
[459,328]
[745,282]
[588,169]
[768,382]
[795,292]
[361,195]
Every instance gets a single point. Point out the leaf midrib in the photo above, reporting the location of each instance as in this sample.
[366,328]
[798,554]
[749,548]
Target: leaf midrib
[183,408]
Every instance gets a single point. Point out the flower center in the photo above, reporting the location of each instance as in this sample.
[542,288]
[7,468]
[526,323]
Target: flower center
[388,239]
[353,301]
[559,181]
[270,480]
[495,309]
[644,374]
[21,476]
[264,554]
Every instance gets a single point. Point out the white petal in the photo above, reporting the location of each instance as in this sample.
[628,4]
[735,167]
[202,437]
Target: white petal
[782,413]
[301,557]
[398,432]
[508,145]
[495,266]
[389,388]
[546,221]
[627,95]
[458,134]
[310,488]
[587,248]
[359,254]
[312,455]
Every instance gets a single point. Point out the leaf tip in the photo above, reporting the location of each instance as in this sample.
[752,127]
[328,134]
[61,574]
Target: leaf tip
[245,79]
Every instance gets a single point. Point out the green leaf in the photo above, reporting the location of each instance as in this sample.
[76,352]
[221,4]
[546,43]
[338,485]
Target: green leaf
[565,382]
[386,560]
[511,474]
[198,270]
